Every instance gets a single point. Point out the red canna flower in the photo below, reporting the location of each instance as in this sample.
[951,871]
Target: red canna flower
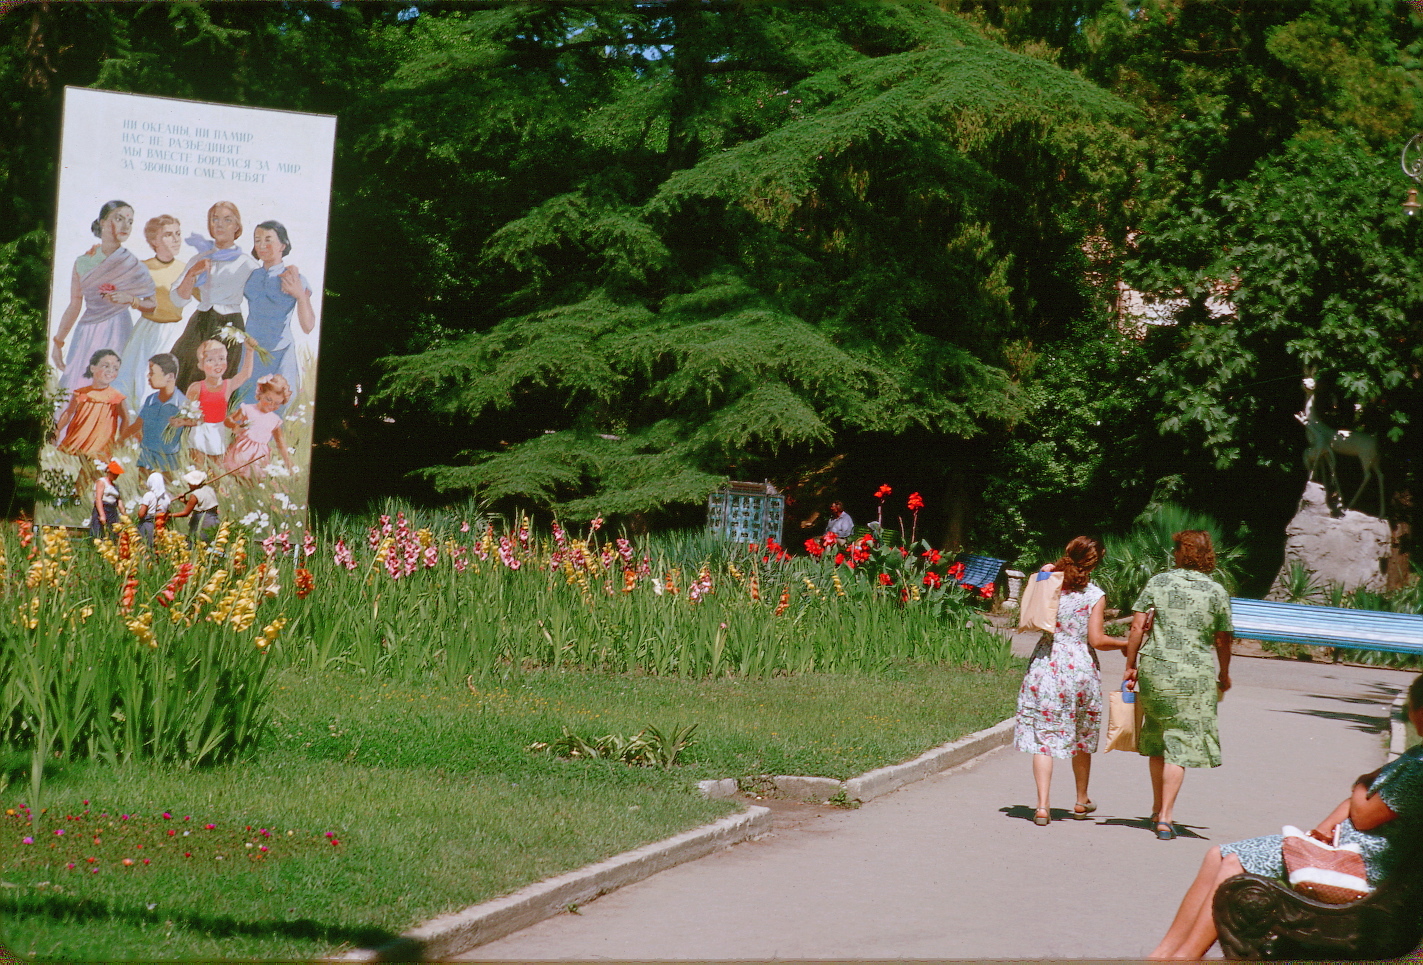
[814,548]
[839,558]
[932,580]
[915,502]
[986,590]
[885,580]
[882,492]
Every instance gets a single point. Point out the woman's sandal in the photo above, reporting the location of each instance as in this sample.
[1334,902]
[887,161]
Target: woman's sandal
[1164,831]
[1042,818]
[1083,812]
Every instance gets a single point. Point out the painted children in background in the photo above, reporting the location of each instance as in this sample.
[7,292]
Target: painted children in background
[155,500]
[157,328]
[208,439]
[258,427]
[95,417]
[159,443]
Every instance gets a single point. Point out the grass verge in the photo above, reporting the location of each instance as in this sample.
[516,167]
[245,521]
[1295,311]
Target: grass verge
[431,798]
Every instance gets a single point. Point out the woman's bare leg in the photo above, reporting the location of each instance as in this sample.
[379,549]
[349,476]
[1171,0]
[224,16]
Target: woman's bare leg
[1202,933]
[1202,888]
[1171,777]
[1155,765]
[1082,773]
[1042,777]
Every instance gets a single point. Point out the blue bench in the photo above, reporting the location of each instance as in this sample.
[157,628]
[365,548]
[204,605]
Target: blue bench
[1327,626]
[979,571]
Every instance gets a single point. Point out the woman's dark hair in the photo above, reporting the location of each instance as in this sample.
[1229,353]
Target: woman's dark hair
[98,357]
[1415,693]
[1078,561]
[281,231]
[109,208]
[1194,550]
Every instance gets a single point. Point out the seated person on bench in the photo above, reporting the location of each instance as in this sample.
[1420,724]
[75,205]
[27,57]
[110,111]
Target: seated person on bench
[1383,808]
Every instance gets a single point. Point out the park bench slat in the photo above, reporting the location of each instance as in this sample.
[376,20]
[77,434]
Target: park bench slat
[1327,626]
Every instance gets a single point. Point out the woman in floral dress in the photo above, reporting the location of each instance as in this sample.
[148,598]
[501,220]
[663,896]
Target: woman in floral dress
[1060,702]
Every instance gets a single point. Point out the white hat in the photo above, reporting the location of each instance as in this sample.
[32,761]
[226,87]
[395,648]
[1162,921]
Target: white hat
[195,477]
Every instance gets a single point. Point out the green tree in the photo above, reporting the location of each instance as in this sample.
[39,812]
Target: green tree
[736,235]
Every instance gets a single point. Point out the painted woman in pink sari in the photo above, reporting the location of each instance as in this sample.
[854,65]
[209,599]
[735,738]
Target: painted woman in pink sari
[107,280]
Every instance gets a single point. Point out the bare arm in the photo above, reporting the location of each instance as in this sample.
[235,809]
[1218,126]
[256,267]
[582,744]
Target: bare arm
[67,320]
[281,442]
[1096,632]
[1223,640]
[189,282]
[190,501]
[1368,811]
[244,371]
[99,498]
[291,284]
[64,418]
[1134,640]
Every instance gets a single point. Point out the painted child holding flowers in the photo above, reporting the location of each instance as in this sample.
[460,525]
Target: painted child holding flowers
[258,426]
[207,443]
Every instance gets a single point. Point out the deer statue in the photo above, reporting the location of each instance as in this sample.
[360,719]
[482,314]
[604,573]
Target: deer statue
[1325,443]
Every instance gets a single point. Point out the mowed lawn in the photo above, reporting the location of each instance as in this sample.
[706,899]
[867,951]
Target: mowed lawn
[371,805]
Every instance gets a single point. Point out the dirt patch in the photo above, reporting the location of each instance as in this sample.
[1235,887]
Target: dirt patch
[787,814]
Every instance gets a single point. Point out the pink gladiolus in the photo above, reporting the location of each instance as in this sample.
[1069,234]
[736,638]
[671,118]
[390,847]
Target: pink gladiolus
[596,525]
[624,549]
[392,562]
[464,526]
[560,538]
[308,543]
[269,545]
[284,540]
[343,556]
[432,556]
[374,539]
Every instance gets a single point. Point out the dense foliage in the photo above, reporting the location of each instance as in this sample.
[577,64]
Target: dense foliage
[601,257]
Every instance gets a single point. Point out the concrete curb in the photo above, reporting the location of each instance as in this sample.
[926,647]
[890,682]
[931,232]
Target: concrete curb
[460,931]
[874,783]
[871,784]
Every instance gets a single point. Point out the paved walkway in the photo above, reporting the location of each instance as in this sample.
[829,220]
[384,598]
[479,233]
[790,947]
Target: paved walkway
[954,868]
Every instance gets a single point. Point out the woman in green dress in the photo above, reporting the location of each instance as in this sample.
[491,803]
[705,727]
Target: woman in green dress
[1174,673]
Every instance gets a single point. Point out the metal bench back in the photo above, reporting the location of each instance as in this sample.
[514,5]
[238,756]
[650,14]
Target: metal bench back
[1327,626]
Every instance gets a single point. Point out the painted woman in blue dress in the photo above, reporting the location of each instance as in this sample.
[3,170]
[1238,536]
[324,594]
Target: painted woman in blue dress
[276,294]
[1383,808]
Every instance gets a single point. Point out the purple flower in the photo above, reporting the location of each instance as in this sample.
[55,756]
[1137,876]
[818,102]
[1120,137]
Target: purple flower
[27,840]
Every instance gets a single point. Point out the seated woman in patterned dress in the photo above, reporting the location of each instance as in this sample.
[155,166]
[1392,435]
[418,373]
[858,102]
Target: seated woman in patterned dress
[1383,808]
[1060,701]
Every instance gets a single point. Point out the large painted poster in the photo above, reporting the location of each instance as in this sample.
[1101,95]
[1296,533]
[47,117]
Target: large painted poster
[190,256]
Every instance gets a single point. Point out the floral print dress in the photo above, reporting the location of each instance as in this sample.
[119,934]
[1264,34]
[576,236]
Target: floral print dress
[1060,702]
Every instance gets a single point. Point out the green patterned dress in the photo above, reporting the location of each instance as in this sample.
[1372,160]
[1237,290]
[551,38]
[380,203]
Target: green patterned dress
[1176,673]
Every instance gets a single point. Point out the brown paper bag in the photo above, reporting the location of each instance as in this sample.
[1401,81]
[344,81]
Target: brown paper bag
[1038,610]
[1123,721]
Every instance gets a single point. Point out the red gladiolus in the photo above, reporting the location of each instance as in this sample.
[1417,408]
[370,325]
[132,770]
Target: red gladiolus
[130,588]
[305,583]
[915,502]
[166,595]
[785,601]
